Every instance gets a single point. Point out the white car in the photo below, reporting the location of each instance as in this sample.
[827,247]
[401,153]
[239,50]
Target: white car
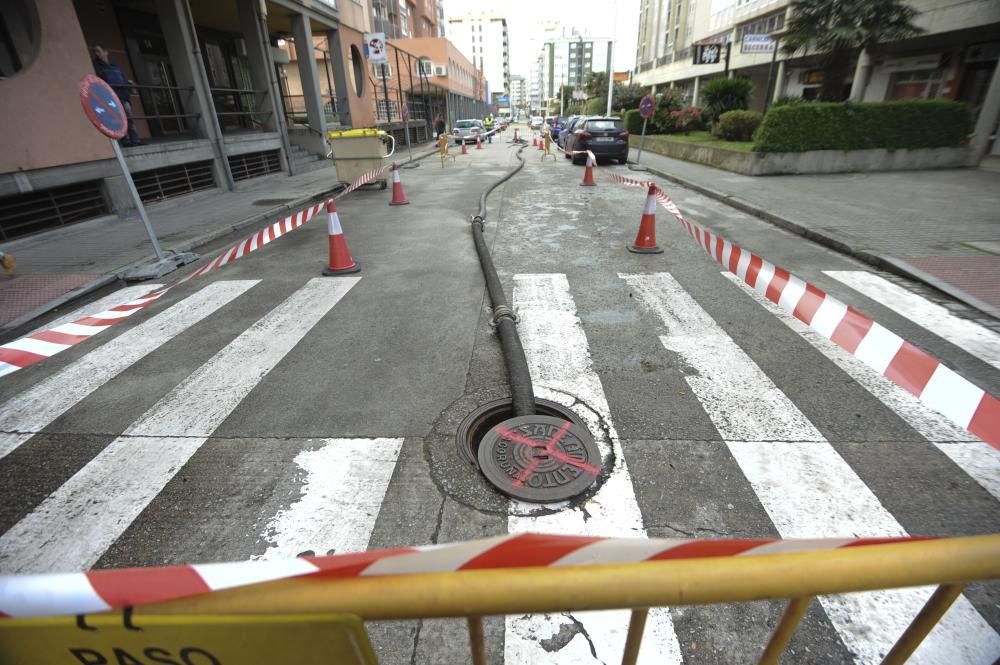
[536,122]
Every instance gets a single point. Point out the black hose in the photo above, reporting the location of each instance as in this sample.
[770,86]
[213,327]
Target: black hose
[522,393]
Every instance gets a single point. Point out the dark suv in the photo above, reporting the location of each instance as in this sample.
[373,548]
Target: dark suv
[605,137]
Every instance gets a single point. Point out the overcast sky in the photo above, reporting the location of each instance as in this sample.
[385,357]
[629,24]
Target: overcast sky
[524,19]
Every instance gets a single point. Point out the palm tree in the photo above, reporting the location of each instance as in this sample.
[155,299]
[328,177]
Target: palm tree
[835,28]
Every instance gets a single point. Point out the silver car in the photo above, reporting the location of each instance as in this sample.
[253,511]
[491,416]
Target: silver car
[467,131]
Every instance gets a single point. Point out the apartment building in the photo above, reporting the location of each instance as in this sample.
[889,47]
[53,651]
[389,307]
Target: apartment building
[401,19]
[683,43]
[484,40]
[566,57]
[518,95]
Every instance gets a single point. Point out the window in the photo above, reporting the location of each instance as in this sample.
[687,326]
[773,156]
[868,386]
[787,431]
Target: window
[20,36]
[382,71]
[381,110]
[425,68]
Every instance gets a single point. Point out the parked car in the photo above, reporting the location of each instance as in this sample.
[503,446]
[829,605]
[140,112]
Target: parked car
[467,131]
[536,122]
[568,127]
[605,137]
[555,126]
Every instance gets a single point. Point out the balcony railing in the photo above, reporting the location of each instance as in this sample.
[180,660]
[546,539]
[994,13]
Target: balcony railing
[236,108]
[163,110]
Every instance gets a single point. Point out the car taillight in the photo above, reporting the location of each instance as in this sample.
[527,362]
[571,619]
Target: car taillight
[623,135]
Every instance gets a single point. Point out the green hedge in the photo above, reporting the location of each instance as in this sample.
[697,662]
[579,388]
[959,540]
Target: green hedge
[845,126]
[633,122]
[739,125]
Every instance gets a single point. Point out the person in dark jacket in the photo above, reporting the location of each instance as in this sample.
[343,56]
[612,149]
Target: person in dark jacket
[439,125]
[115,77]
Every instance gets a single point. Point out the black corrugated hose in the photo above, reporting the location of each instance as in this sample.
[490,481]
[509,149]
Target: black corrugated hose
[522,393]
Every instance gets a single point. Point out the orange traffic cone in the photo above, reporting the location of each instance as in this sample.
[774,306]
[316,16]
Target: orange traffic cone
[645,239]
[534,141]
[398,196]
[479,143]
[465,150]
[588,175]
[541,144]
[341,262]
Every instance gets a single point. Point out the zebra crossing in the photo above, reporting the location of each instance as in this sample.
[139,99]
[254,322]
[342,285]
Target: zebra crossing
[805,486]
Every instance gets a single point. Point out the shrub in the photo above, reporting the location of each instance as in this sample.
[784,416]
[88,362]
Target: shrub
[739,125]
[686,118]
[789,100]
[633,122]
[662,122]
[722,95]
[844,126]
[596,106]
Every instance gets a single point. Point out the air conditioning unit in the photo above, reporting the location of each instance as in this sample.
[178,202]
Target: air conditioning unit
[440,70]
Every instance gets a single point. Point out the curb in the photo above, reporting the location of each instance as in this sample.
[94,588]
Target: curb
[188,245]
[877,260]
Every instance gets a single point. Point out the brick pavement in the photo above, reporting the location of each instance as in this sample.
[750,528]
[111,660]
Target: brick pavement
[944,223]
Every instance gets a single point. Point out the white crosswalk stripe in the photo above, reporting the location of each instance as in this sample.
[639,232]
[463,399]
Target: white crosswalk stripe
[980,461]
[806,488]
[559,358]
[35,408]
[75,524]
[342,491]
[968,335]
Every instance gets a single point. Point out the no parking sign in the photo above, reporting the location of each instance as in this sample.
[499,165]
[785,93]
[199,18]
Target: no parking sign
[103,107]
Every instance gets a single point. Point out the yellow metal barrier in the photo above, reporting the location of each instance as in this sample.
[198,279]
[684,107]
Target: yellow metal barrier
[277,610]
[950,563]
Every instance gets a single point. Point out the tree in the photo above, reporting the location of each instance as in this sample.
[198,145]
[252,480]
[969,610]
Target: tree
[627,97]
[835,28]
[724,95]
[596,85]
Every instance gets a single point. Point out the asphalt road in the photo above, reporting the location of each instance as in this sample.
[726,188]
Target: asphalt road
[262,411]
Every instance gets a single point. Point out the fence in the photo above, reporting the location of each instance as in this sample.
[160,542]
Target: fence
[529,574]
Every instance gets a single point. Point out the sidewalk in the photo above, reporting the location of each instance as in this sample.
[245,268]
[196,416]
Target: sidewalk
[938,227]
[60,265]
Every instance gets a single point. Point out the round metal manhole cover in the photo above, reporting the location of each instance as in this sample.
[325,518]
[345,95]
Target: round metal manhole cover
[539,458]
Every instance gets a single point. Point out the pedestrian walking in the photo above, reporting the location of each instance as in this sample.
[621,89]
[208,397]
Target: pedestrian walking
[439,125]
[115,77]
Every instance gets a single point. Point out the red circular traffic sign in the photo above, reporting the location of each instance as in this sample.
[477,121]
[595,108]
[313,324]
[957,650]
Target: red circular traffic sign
[646,105]
[103,107]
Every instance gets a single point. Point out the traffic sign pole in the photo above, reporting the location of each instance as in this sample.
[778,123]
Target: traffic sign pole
[107,114]
[646,105]
[138,202]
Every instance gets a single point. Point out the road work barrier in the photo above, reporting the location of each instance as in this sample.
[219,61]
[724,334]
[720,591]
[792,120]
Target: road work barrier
[515,574]
[36,347]
[909,367]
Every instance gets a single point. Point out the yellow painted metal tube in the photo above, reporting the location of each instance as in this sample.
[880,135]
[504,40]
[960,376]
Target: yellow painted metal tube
[923,623]
[650,584]
[782,635]
[477,642]
[636,625]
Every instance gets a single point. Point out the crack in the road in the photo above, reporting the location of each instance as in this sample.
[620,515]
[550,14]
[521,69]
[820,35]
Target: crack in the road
[566,633]
[689,534]
[416,639]
[440,520]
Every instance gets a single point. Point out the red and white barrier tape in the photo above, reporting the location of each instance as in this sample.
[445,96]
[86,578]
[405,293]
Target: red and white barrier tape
[105,590]
[36,347]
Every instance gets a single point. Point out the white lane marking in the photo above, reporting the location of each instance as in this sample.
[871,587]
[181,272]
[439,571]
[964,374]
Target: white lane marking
[807,489]
[119,297]
[343,485]
[980,461]
[75,524]
[968,335]
[559,359]
[36,408]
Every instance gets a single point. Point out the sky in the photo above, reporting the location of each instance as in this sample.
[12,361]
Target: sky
[525,18]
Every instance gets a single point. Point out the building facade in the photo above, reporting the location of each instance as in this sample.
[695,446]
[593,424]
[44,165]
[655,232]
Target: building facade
[518,95]
[401,19]
[566,58]
[683,43]
[221,95]
[484,40]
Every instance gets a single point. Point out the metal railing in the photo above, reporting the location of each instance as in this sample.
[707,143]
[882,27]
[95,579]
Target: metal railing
[240,112]
[163,109]
[798,577]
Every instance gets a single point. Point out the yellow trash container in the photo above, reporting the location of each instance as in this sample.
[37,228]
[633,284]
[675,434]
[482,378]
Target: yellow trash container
[357,151]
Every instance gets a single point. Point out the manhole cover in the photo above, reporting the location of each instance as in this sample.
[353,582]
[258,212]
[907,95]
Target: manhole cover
[539,458]
[271,202]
